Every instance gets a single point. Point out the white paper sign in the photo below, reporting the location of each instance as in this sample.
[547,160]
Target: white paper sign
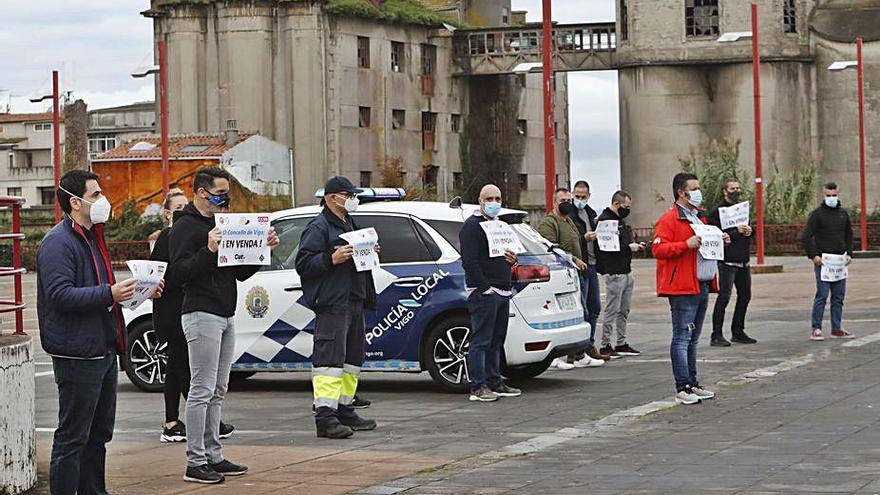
[734,216]
[712,245]
[146,275]
[243,239]
[364,243]
[501,238]
[834,267]
[608,236]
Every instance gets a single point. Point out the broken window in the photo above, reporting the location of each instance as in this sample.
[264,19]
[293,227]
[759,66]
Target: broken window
[398,119]
[429,59]
[364,116]
[523,182]
[521,127]
[455,123]
[396,56]
[429,177]
[363,52]
[366,177]
[789,16]
[457,181]
[429,125]
[624,20]
[701,17]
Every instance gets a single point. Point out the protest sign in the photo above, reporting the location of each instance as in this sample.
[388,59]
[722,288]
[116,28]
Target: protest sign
[608,236]
[501,238]
[834,267]
[734,216]
[711,245]
[243,239]
[146,275]
[364,242]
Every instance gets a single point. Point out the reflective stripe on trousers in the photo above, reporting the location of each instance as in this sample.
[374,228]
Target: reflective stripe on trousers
[350,374]
[327,384]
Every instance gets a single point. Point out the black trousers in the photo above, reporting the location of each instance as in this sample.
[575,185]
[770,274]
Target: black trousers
[177,378]
[728,277]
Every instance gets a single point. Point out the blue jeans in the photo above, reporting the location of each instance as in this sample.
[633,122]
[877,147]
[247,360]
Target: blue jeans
[591,299]
[489,316]
[86,417]
[688,313]
[838,292]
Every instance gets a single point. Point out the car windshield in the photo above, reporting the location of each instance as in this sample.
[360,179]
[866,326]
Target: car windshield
[530,238]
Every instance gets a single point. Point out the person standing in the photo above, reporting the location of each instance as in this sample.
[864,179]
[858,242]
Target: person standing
[488,282]
[559,228]
[685,278]
[733,271]
[209,299]
[82,329]
[828,231]
[619,280]
[337,293]
[585,219]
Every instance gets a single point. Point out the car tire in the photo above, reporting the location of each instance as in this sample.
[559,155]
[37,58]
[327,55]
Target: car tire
[526,371]
[444,353]
[145,359]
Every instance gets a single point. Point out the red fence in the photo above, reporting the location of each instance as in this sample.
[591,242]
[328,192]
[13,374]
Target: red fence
[15,271]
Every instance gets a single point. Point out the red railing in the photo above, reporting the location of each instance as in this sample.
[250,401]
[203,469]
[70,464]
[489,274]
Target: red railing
[16,305]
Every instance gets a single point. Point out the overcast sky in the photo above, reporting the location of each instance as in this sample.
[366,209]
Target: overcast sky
[96,44]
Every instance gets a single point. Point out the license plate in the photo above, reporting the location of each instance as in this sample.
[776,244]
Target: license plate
[567,302]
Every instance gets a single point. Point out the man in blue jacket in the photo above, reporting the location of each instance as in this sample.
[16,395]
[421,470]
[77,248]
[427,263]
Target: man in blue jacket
[81,327]
[337,293]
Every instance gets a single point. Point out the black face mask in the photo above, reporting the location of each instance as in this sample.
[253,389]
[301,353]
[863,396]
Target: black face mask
[623,212]
[734,196]
[566,208]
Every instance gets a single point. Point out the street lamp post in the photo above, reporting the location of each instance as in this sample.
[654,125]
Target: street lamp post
[56,136]
[756,82]
[859,66]
[549,111]
[162,71]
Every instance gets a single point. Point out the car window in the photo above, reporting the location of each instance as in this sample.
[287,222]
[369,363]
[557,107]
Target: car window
[400,241]
[449,230]
[289,231]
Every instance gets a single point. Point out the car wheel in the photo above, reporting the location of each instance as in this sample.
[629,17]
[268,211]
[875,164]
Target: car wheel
[146,359]
[526,371]
[445,353]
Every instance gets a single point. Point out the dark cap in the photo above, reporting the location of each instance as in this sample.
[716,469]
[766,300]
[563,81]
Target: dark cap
[340,184]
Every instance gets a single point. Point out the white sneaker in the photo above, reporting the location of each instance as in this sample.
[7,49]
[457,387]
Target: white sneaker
[561,364]
[588,362]
[702,393]
[686,398]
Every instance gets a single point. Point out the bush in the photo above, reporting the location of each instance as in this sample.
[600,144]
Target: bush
[790,199]
[714,164]
[131,225]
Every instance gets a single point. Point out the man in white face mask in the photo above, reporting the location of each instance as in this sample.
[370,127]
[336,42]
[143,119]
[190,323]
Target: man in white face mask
[81,327]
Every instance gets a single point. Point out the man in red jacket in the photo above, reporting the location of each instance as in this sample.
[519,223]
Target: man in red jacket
[685,278]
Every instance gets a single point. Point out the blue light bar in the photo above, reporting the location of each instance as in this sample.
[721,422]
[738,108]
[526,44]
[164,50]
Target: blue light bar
[374,194]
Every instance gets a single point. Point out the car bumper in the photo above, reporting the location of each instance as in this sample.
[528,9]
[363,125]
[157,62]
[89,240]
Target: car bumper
[526,345]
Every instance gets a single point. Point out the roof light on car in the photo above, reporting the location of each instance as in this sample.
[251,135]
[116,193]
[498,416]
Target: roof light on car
[374,194]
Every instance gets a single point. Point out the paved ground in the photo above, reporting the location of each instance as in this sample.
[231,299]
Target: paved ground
[804,422]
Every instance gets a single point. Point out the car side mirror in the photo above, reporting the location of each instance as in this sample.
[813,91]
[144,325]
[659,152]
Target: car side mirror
[456,202]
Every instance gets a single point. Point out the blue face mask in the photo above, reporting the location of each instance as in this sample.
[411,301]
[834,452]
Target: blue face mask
[492,209]
[218,200]
[832,201]
[695,198]
[580,203]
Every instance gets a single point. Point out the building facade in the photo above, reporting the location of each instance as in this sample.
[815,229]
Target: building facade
[26,141]
[110,127]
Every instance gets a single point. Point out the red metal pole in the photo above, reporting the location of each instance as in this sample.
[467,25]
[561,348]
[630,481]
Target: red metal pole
[864,205]
[549,134]
[16,265]
[759,181]
[56,144]
[163,109]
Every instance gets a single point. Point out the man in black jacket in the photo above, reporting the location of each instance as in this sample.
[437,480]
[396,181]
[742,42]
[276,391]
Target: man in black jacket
[209,300]
[619,281]
[337,293]
[828,231]
[734,271]
[585,219]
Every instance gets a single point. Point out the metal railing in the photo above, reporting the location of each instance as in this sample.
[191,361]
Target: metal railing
[17,304]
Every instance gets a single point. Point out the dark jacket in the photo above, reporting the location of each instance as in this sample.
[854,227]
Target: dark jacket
[206,287]
[481,271]
[620,262]
[77,315]
[582,228]
[167,309]
[739,249]
[828,230]
[327,288]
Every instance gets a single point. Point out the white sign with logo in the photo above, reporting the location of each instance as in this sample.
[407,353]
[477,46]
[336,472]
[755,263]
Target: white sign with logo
[501,238]
[834,267]
[146,275]
[608,236]
[712,244]
[244,239]
[364,243]
[734,216]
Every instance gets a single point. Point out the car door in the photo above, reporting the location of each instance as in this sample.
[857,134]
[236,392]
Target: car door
[270,319]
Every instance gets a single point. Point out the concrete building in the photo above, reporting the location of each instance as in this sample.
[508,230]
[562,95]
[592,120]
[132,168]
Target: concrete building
[348,92]
[110,127]
[26,141]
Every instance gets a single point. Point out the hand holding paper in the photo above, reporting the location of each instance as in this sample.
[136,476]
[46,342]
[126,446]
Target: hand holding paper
[501,238]
[711,241]
[362,248]
[147,276]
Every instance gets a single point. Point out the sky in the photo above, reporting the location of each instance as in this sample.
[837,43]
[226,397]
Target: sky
[95,44]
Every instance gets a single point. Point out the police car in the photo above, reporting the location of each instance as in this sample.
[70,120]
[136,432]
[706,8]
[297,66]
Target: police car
[421,321]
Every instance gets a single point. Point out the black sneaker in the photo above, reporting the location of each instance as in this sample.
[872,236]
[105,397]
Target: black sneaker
[507,391]
[719,341]
[226,430]
[203,474]
[176,433]
[610,352]
[359,403]
[626,350]
[227,468]
[742,338]
[334,430]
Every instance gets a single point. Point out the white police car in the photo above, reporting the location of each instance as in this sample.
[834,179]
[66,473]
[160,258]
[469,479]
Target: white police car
[421,322]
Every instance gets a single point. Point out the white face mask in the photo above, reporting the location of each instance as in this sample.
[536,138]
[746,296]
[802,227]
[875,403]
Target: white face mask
[351,204]
[99,212]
